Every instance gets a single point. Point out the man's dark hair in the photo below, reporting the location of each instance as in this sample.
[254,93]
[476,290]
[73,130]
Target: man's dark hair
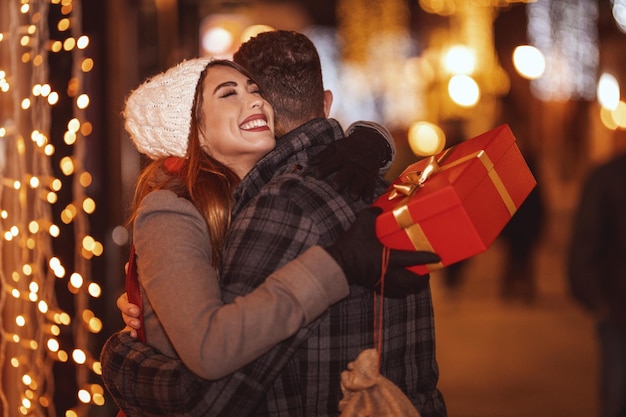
[287,67]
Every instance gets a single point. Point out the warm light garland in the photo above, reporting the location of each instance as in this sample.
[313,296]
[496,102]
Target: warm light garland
[32,321]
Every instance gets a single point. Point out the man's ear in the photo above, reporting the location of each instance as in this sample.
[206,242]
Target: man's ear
[328,101]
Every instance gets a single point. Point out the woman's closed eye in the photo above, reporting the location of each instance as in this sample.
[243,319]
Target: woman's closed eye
[228,93]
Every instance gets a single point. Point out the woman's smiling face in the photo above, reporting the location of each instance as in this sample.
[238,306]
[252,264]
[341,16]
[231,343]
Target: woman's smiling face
[238,123]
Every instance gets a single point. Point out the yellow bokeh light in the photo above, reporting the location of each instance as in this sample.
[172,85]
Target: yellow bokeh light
[56,184]
[82,42]
[63,25]
[97,368]
[87,315]
[65,318]
[464,91]
[38,137]
[52,197]
[95,325]
[88,242]
[48,149]
[82,102]
[86,65]
[76,280]
[53,345]
[85,179]
[89,205]
[26,403]
[67,165]
[459,59]
[98,399]
[79,356]
[84,396]
[529,62]
[33,226]
[66,216]
[56,46]
[73,125]
[426,139]
[53,98]
[217,41]
[94,290]
[69,138]
[54,230]
[97,249]
[69,44]
[26,379]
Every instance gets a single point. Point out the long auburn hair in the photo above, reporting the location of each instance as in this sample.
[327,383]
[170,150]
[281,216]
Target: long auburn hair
[199,177]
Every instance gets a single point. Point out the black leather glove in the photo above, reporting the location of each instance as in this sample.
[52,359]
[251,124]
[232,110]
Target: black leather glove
[356,160]
[359,253]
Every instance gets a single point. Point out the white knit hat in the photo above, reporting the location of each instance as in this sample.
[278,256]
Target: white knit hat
[158,112]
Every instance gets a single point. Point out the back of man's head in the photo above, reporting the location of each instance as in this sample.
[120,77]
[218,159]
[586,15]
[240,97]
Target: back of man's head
[287,67]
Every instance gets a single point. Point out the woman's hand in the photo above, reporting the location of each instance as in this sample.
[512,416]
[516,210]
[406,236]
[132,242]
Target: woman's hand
[130,314]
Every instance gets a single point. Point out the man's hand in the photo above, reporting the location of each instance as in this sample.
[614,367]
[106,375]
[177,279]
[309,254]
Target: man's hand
[355,160]
[359,253]
[130,314]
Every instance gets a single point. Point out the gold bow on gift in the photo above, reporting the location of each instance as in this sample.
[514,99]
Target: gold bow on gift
[414,182]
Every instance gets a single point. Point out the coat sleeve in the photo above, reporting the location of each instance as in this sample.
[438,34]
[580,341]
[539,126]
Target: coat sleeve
[214,339]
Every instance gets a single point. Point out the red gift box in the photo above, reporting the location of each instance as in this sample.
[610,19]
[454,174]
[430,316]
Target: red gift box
[456,202]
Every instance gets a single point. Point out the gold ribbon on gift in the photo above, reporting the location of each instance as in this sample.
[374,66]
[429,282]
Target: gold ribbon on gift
[416,180]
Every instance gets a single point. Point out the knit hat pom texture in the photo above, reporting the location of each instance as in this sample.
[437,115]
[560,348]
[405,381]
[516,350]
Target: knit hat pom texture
[158,113]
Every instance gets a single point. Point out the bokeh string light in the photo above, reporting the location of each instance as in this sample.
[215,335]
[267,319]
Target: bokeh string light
[36,333]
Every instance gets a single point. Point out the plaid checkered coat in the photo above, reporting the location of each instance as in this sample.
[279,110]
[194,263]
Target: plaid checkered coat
[279,213]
